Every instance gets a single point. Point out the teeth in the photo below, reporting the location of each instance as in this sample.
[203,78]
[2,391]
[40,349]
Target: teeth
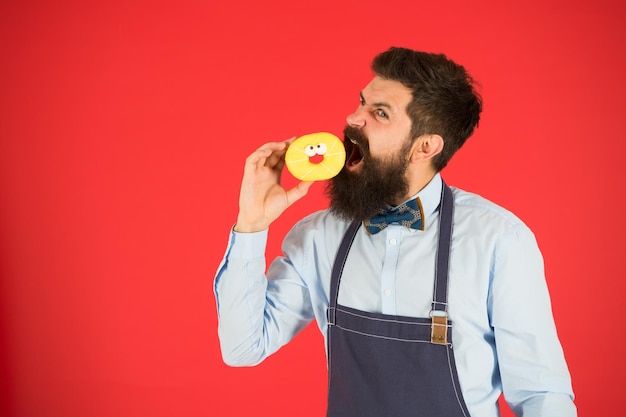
[353,141]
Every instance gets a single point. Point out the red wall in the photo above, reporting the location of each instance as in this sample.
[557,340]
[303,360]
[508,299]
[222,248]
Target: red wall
[123,130]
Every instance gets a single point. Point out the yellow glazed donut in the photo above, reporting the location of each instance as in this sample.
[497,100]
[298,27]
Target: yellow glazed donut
[316,156]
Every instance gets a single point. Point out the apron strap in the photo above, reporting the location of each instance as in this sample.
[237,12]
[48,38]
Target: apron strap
[340,262]
[446,212]
[439,312]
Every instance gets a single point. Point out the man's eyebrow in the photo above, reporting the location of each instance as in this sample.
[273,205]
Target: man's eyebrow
[379,104]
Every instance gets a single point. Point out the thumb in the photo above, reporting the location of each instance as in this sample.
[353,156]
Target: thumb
[299,191]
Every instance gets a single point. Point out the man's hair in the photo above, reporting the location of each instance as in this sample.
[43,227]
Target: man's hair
[444,102]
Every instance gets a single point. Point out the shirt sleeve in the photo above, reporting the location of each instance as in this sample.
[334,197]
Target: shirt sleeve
[535,378]
[257,312]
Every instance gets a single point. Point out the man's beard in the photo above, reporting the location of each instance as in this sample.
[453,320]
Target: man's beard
[360,195]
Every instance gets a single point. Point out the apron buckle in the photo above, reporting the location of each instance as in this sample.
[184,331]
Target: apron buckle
[439,327]
[331,314]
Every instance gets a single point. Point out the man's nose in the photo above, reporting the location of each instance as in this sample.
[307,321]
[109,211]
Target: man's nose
[356,119]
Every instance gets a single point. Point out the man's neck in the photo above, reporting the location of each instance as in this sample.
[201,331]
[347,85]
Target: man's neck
[417,182]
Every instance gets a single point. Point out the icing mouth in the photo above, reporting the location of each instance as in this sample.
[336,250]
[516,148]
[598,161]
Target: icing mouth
[316,159]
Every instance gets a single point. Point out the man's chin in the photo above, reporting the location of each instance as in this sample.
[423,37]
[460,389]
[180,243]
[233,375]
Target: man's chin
[363,188]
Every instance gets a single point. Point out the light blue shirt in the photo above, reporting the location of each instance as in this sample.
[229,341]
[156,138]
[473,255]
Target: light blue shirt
[504,335]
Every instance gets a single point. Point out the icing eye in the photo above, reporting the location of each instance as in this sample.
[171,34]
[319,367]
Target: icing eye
[310,150]
[320,148]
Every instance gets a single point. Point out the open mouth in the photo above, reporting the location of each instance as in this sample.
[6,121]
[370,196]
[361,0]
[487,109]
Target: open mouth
[354,152]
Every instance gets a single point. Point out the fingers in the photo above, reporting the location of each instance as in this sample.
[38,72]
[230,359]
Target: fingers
[280,162]
[257,159]
[277,158]
[271,155]
[274,159]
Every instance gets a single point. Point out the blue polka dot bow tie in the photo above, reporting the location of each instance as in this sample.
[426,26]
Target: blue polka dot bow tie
[409,214]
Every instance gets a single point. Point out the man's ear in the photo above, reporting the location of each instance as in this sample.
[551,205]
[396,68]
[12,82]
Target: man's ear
[426,147]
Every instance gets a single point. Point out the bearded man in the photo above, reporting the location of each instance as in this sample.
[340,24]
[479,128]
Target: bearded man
[432,300]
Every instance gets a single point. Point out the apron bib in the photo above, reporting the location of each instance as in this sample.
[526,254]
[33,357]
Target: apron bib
[381,365]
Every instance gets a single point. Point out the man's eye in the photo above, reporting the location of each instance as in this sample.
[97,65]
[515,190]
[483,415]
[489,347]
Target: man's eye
[381,113]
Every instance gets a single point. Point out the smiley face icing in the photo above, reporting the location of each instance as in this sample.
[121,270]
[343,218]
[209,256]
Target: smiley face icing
[316,156]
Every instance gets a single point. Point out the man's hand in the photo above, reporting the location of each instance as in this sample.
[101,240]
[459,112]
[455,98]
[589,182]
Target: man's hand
[262,199]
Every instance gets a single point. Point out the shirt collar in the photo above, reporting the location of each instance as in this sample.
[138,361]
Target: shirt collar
[430,196]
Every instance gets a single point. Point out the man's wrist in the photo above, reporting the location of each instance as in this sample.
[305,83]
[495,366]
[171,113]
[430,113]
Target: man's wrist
[248,228]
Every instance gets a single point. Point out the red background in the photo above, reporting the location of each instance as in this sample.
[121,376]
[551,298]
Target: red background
[123,130]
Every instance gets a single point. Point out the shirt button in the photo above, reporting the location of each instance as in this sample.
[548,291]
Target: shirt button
[387,292]
[393,242]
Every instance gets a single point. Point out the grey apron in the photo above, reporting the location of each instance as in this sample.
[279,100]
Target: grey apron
[381,365]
